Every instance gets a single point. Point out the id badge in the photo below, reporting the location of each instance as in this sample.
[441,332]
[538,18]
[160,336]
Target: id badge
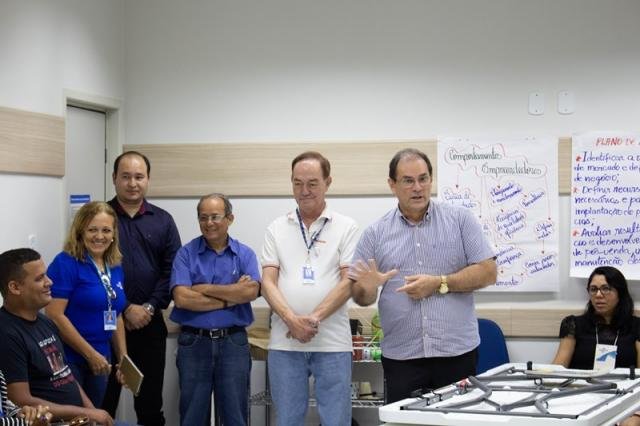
[110,319]
[605,358]
[308,276]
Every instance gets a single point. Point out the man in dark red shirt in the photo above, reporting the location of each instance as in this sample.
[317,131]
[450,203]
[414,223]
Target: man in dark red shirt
[149,241]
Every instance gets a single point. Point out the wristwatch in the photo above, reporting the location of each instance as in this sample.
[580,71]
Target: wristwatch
[444,286]
[149,308]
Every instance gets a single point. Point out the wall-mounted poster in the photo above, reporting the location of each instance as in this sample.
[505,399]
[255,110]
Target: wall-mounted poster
[512,186]
[605,203]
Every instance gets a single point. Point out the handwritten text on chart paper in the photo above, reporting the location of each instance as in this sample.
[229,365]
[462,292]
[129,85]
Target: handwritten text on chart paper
[605,208]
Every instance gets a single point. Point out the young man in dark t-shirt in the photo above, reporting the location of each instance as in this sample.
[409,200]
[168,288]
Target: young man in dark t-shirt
[32,357]
[35,344]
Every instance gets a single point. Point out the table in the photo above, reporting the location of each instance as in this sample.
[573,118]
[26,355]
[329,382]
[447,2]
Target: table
[518,394]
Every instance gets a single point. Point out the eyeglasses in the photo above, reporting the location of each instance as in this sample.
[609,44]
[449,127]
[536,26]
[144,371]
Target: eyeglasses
[409,182]
[605,290]
[215,218]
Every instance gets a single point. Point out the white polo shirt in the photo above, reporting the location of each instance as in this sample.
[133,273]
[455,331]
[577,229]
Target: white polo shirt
[284,248]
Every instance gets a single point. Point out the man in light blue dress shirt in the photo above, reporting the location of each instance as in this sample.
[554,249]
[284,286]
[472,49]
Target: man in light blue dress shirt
[428,258]
[213,281]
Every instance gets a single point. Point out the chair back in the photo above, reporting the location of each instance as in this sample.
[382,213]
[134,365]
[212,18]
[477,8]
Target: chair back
[4,407]
[492,351]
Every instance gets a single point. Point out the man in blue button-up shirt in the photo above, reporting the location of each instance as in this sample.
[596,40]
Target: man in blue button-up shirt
[213,281]
[428,258]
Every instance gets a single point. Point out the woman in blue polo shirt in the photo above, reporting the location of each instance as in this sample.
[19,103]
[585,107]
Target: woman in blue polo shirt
[88,297]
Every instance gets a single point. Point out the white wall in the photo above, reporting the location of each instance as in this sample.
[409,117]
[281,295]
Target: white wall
[250,71]
[47,46]
[254,71]
[303,70]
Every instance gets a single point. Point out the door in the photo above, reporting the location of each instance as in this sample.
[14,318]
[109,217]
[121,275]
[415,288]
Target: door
[85,153]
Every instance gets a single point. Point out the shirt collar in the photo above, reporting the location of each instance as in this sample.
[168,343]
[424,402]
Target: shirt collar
[145,207]
[232,245]
[326,214]
[425,219]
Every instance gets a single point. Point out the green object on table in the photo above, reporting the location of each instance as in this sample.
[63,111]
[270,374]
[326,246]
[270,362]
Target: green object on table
[376,329]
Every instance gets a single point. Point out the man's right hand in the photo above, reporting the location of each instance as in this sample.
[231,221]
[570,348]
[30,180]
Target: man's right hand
[302,328]
[136,317]
[368,274]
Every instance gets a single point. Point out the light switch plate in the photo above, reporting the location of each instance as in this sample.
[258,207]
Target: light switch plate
[566,102]
[536,103]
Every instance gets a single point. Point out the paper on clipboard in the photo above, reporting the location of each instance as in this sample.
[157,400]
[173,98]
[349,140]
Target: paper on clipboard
[132,375]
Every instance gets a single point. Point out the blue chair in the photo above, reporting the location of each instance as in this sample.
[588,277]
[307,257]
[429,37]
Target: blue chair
[492,351]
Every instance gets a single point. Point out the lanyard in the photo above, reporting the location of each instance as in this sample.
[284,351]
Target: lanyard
[614,342]
[314,236]
[105,278]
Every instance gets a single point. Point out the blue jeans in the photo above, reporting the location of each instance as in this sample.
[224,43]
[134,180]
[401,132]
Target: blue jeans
[94,386]
[289,373]
[221,366]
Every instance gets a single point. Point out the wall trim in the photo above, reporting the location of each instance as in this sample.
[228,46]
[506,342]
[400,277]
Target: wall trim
[263,169]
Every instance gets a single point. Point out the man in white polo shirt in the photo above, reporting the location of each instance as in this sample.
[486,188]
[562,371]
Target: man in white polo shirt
[305,261]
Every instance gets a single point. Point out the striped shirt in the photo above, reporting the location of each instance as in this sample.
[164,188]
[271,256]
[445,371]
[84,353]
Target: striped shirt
[7,407]
[448,239]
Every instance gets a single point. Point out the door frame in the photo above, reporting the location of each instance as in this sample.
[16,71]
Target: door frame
[114,126]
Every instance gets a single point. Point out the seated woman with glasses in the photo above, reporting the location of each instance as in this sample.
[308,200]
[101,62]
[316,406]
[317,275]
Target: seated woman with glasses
[88,298]
[607,327]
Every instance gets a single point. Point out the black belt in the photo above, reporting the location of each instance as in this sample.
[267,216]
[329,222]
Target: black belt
[213,333]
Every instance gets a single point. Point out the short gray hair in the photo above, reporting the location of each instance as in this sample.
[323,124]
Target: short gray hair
[228,208]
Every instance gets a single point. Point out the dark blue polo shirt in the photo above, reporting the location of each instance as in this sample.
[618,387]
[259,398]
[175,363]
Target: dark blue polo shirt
[148,242]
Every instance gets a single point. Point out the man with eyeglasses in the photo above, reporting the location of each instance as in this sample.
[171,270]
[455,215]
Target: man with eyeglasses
[305,259]
[426,258]
[149,240]
[213,280]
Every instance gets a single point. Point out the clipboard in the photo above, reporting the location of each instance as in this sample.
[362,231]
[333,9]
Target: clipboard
[132,375]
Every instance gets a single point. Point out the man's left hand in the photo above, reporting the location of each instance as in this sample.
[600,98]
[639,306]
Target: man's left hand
[36,416]
[420,286]
[303,328]
[136,317]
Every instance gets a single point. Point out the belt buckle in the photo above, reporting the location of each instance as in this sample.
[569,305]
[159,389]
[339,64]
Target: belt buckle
[216,333]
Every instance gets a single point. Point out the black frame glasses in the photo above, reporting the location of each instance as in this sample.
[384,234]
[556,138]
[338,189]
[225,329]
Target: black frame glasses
[605,290]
